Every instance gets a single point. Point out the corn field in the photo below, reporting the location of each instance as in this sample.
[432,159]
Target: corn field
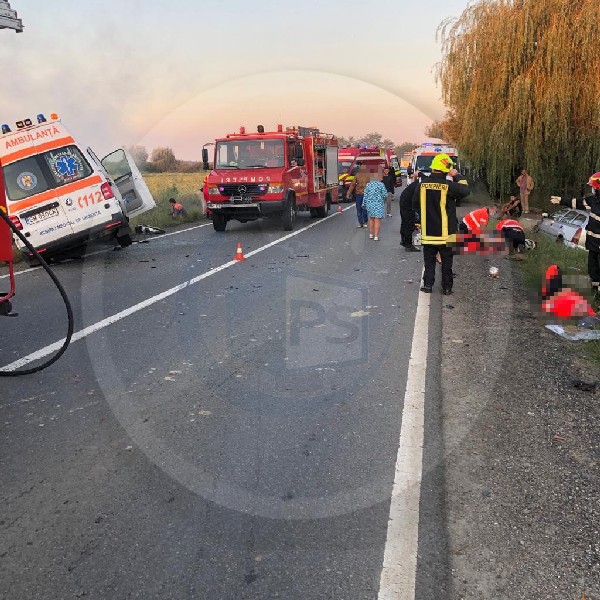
[521,80]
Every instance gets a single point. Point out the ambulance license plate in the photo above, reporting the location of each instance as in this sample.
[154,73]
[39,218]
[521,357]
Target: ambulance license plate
[42,216]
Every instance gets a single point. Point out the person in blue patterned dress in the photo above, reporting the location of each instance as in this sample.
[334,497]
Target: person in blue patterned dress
[374,201]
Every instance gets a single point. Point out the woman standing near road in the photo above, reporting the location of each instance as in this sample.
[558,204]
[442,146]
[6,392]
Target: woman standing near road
[374,201]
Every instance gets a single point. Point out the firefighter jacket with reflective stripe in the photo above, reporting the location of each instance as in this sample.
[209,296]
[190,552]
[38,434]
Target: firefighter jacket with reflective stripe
[477,219]
[592,205]
[435,199]
[509,224]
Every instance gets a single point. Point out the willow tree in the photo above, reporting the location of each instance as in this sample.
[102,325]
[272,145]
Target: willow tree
[521,80]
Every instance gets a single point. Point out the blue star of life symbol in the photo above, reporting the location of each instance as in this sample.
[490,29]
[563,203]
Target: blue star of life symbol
[67,165]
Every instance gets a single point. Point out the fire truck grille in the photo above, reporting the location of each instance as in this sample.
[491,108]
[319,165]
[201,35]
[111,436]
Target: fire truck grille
[242,189]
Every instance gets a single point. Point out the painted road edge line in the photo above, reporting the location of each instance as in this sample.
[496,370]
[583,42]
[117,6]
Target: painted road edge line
[82,333]
[398,576]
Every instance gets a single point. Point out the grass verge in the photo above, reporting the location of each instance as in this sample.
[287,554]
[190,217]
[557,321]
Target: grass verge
[184,187]
[573,264]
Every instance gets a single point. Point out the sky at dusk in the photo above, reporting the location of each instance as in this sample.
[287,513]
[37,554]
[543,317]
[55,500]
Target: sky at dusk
[180,73]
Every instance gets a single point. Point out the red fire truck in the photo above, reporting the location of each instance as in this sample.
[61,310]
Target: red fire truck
[271,174]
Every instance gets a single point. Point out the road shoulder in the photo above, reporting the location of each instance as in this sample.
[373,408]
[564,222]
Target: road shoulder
[521,446]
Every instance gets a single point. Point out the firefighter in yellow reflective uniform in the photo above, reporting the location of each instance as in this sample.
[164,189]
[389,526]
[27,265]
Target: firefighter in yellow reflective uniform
[435,199]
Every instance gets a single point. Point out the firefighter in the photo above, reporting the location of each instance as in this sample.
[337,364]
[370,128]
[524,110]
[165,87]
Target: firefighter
[476,220]
[592,240]
[435,198]
[407,214]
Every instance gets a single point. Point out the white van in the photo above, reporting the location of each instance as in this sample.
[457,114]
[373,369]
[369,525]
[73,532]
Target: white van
[62,196]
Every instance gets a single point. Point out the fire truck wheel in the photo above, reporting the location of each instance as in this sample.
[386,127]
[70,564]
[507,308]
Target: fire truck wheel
[288,217]
[219,222]
[314,212]
[323,211]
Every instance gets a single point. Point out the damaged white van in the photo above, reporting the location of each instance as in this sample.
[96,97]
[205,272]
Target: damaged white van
[60,194]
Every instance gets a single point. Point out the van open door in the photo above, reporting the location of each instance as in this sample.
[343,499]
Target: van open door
[129,181]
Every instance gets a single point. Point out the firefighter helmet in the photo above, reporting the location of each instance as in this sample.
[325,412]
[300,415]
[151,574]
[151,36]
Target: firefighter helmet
[441,162]
[595,181]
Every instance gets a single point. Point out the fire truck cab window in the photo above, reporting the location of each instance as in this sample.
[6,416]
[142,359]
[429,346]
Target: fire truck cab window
[250,154]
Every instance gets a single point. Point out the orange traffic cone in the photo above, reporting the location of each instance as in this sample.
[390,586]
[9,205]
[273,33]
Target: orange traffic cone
[340,206]
[239,255]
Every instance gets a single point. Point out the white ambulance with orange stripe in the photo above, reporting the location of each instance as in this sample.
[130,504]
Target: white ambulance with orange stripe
[61,195]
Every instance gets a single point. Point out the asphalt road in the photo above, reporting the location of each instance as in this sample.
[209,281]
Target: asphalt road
[234,439]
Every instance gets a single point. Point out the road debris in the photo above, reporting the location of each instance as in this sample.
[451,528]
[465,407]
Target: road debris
[574,334]
[584,386]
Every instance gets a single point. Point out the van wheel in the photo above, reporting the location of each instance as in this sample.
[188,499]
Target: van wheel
[219,222]
[288,217]
[124,240]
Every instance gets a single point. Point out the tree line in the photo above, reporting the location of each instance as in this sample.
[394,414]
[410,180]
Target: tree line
[520,81]
[162,160]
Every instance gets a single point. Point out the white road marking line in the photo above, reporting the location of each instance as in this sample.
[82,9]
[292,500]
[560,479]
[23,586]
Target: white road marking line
[155,237]
[43,352]
[398,576]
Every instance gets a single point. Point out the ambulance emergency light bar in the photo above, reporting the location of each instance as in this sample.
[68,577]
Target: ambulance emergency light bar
[8,18]
[28,122]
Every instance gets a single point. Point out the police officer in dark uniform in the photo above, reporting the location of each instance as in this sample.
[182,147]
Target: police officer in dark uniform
[407,214]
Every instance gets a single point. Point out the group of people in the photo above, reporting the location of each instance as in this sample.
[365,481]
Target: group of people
[433,200]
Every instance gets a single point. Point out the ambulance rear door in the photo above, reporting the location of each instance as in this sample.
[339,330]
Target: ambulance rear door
[121,167]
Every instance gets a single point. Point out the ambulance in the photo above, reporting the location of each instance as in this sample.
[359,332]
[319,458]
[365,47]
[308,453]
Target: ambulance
[62,196]
[424,154]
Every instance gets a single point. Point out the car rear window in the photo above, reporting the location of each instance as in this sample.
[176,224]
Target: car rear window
[569,216]
[579,220]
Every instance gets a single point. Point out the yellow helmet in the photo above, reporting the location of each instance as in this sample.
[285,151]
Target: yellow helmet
[441,162]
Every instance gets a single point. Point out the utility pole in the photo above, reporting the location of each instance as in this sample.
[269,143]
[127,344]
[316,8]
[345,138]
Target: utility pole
[8,18]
